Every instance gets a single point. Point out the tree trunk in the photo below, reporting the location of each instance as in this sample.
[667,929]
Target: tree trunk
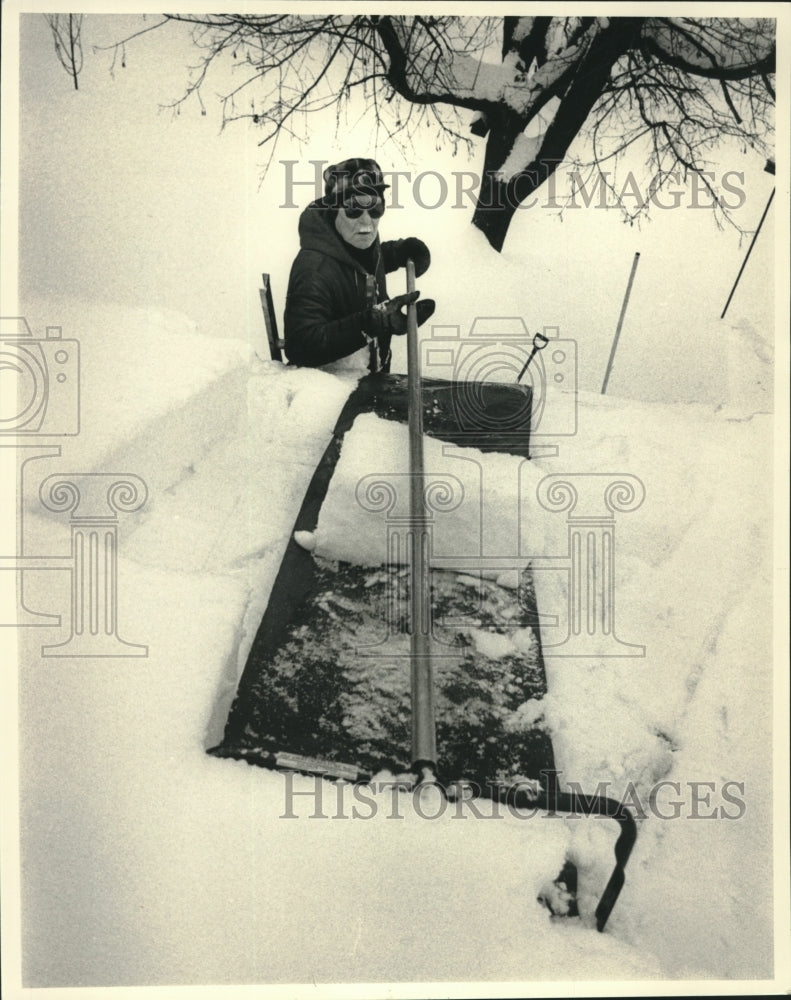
[499,199]
[496,203]
[493,211]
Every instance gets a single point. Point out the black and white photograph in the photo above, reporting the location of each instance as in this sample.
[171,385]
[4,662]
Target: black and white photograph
[395,499]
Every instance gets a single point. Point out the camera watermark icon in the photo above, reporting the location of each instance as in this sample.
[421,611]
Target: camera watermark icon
[41,400]
[41,381]
[500,350]
[587,628]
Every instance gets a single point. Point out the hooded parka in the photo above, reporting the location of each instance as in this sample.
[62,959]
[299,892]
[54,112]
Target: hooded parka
[326,298]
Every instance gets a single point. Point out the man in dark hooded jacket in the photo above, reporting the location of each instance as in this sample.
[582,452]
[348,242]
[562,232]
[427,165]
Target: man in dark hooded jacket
[337,305]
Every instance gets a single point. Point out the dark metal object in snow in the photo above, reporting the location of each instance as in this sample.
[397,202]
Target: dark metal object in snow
[617,336]
[554,801]
[276,344]
[540,341]
[770,168]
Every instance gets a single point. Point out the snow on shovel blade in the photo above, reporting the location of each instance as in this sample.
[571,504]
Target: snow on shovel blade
[307,691]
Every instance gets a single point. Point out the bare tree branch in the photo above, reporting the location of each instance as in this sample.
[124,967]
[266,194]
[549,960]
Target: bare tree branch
[66,31]
[526,85]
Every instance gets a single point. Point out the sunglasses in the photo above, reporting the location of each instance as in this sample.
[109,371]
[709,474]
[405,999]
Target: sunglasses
[375,208]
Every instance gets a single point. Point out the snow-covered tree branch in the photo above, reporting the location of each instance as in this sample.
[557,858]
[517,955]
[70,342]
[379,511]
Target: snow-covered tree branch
[526,86]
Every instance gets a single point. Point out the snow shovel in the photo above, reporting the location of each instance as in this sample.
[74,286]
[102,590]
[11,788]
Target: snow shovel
[540,341]
[292,701]
[424,740]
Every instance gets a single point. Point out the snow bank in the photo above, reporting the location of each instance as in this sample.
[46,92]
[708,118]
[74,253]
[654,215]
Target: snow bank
[159,851]
[558,270]
[147,862]
[353,525]
[686,698]
[137,366]
[693,585]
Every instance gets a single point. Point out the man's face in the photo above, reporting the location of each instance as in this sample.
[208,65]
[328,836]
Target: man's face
[358,220]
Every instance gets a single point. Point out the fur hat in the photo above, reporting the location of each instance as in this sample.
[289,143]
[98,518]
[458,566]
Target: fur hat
[356,176]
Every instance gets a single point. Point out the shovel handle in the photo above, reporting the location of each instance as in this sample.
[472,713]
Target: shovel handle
[413,370]
[424,745]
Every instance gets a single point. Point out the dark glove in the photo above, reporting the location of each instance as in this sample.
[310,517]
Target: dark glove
[416,250]
[387,317]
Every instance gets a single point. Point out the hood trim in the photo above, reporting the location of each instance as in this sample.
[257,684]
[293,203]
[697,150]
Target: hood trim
[316,232]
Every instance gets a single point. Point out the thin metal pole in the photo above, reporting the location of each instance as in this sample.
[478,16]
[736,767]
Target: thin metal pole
[749,251]
[424,744]
[620,323]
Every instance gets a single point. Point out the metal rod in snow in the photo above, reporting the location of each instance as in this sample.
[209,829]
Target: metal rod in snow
[424,744]
[749,251]
[620,323]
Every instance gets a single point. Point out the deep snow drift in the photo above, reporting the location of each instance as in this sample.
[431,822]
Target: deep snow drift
[147,862]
